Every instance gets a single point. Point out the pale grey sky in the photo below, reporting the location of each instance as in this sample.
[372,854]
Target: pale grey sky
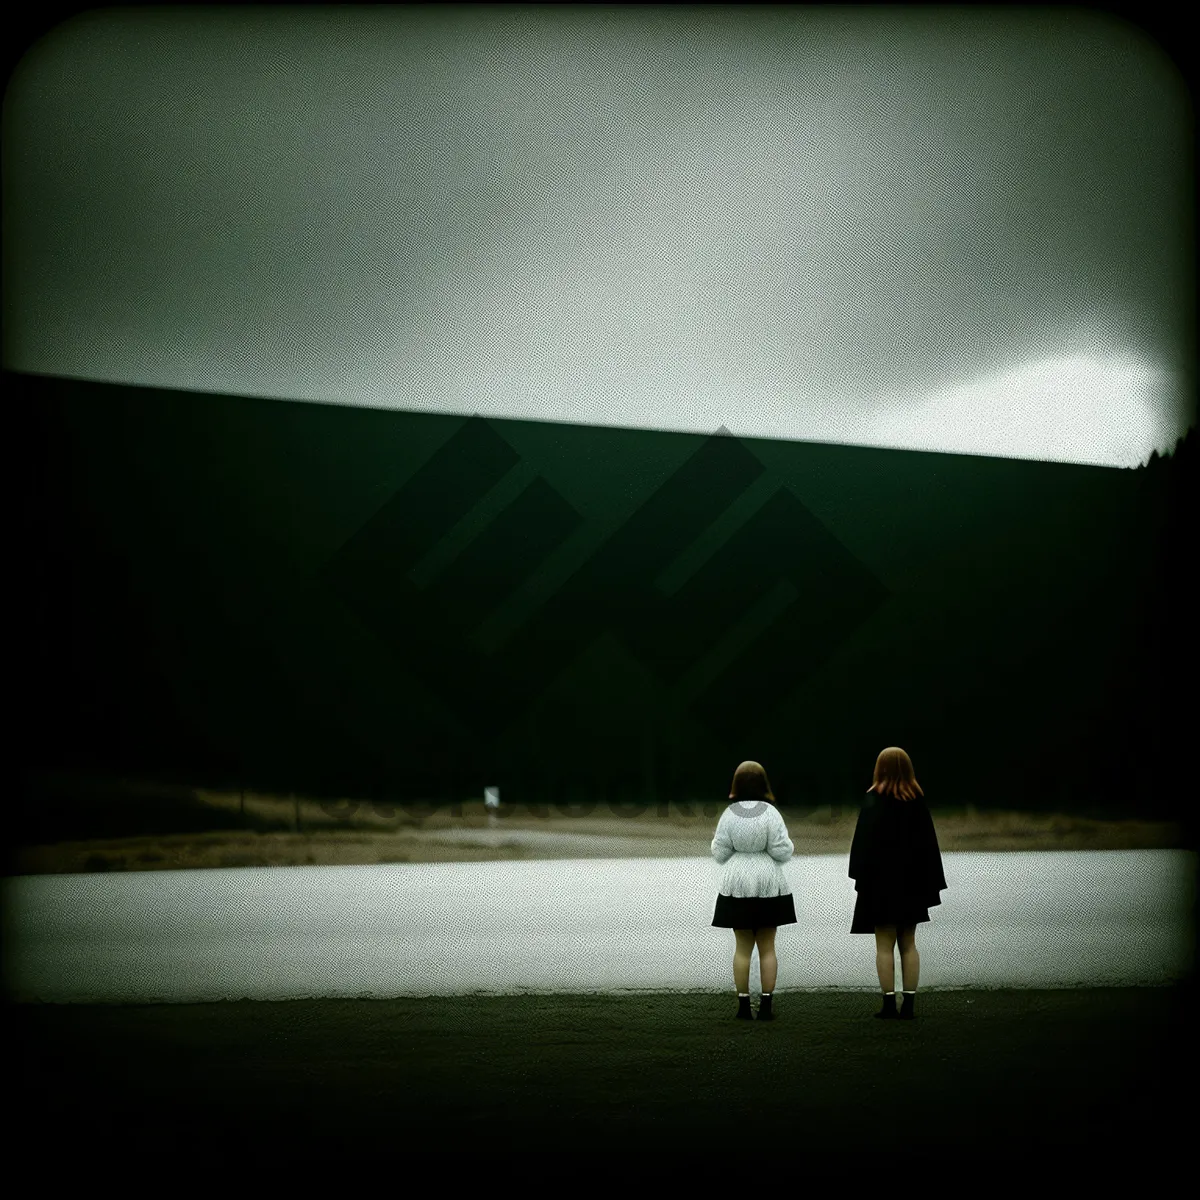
[938,229]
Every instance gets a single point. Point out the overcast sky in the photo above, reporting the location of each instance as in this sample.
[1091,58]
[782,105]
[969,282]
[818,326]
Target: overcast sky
[933,229]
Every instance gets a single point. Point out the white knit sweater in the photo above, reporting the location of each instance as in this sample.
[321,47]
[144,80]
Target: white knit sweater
[752,844]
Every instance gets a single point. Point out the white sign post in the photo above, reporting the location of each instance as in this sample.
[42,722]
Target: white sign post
[491,801]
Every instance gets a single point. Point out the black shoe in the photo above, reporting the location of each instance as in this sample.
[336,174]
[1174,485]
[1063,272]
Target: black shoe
[906,1006]
[888,1011]
[764,1009]
[744,1013]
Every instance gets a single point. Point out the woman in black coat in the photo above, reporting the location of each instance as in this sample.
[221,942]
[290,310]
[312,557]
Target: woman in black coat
[896,865]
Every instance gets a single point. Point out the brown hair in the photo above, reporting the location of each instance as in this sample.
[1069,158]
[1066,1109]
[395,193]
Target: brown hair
[894,775]
[750,783]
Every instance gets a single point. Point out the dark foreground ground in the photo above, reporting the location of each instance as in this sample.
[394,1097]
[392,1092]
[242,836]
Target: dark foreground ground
[1066,1084]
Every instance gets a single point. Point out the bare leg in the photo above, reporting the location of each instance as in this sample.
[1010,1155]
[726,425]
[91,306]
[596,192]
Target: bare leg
[885,956]
[743,949]
[768,964]
[910,960]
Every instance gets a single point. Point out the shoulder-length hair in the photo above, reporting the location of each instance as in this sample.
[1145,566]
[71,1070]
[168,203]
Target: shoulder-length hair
[894,775]
[750,783]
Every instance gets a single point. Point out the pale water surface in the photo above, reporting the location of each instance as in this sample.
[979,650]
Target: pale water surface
[1029,920]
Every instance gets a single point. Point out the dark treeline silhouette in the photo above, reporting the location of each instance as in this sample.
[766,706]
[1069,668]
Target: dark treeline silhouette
[234,592]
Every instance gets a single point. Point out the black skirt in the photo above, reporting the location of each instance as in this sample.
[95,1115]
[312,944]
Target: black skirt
[890,908]
[754,912]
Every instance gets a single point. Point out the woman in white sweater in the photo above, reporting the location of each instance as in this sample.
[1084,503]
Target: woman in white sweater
[754,896]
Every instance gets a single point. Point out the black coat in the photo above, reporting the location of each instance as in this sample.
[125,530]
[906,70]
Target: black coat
[895,850]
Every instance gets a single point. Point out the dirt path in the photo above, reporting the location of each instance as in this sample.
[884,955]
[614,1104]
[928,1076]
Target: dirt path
[469,837]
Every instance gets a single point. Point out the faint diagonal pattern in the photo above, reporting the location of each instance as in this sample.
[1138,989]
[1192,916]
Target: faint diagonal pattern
[781,542]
